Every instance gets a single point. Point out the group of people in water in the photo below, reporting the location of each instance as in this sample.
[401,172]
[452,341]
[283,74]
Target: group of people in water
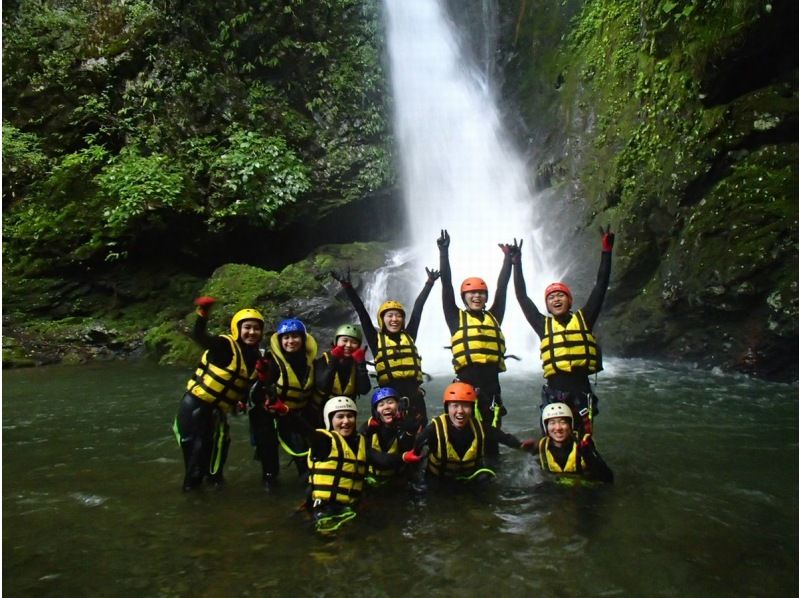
[305,404]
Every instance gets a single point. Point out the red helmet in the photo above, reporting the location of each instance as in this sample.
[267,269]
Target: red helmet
[558,286]
[473,283]
[460,391]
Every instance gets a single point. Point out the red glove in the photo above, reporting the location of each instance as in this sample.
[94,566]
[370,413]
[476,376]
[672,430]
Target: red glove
[262,369]
[528,444]
[607,240]
[240,407]
[373,423]
[338,352]
[586,441]
[204,304]
[411,457]
[276,407]
[360,355]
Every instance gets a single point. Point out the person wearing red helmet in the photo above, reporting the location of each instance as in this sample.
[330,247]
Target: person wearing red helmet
[455,442]
[568,348]
[477,341]
[393,345]
[218,387]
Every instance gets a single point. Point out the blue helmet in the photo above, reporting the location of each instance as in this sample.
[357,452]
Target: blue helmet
[380,394]
[291,325]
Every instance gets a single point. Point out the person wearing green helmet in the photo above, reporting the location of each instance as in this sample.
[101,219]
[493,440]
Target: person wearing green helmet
[567,455]
[393,346]
[342,370]
[219,386]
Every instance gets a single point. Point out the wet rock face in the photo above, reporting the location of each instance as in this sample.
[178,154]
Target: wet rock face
[690,151]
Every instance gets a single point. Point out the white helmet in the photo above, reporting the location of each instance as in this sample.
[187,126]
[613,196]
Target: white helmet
[335,404]
[556,410]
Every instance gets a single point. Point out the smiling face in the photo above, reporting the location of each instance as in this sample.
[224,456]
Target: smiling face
[387,410]
[393,320]
[559,429]
[459,413]
[291,342]
[348,344]
[250,331]
[475,300]
[343,422]
[558,303]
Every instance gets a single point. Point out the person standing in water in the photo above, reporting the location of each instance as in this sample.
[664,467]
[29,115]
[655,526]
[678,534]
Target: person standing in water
[219,386]
[477,340]
[568,348]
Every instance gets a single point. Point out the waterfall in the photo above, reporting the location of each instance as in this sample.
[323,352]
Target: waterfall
[460,173]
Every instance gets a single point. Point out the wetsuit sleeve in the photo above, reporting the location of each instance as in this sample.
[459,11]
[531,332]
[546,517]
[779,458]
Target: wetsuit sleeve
[363,383]
[591,310]
[319,446]
[448,296]
[323,374]
[426,438]
[505,438]
[498,308]
[383,460]
[219,349]
[416,314]
[370,334]
[596,468]
[535,318]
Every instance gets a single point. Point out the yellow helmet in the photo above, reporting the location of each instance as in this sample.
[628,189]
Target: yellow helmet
[242,315]
[386,306]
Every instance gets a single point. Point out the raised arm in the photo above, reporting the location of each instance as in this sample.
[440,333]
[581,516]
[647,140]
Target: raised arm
[448,296]
[370,334]
[532,314]
[591,311]
[412,327]
[498,308]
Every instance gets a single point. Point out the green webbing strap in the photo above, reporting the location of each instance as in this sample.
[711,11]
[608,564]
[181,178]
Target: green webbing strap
[331,523]
[216,447]
[469,478]
[496,418]
[175,430]
[285,446]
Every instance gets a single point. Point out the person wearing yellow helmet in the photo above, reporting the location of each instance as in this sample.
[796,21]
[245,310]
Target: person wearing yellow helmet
[566,454]
[477,340]
[393,346]
[281,414]
[455,442]
[342,370]
[219,386]
[569,350]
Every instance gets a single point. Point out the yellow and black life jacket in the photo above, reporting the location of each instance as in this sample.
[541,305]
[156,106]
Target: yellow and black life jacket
[445,462]
[564,348]
[336,390]
[397,359]
[394,449]
[478,341]
[340,478]
[288,388]
[574,465]
[221,386]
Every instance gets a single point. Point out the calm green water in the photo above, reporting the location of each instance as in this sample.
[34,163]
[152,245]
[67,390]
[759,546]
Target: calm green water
[705,502]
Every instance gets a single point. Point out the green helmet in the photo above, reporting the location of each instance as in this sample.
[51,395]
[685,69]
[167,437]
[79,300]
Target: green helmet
[348,330]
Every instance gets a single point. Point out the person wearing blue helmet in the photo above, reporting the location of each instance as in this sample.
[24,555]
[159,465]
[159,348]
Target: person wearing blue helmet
[389,432]
[218,386]
[280,413]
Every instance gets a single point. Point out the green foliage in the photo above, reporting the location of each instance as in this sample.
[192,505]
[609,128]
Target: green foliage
[23,161]
[255,177]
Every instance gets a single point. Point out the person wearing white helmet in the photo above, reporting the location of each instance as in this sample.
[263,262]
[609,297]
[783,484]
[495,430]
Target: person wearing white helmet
[337,464]
[219,386]
[566,454]
[568,349]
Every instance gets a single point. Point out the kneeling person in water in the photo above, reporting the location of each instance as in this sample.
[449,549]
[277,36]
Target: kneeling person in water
[456,440]
[564,453]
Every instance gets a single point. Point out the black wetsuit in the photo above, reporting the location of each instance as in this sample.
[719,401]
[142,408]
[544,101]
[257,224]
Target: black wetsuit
[406,387]
[571,387]
[325,372]
[484,377]
[198,420]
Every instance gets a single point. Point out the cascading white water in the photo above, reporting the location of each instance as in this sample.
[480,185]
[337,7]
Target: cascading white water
[458,173]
